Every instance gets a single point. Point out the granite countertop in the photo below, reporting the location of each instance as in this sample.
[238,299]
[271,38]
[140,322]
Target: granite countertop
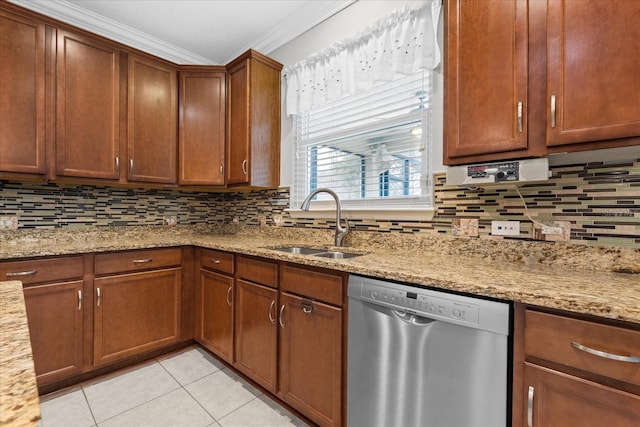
[584,280]
[19,403]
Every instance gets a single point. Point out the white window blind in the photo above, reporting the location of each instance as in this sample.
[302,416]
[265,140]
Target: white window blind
[371,148]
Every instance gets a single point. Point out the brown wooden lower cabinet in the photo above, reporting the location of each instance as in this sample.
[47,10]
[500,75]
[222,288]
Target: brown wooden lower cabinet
[557,399]
[54,313]
[135,312]
[311,358]
[256,333]
[214,316]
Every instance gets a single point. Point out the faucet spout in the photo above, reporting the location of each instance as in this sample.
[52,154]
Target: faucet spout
[341,231]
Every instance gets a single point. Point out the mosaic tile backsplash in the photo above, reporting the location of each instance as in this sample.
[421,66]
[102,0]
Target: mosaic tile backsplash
[596,204]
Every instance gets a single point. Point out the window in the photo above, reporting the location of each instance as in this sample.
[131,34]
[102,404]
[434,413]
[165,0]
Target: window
[371,148]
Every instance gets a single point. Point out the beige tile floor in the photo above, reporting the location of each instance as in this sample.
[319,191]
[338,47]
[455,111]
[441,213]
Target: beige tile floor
[189,388]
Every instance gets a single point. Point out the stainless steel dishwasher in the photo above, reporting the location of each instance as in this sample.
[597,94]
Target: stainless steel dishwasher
[418,357]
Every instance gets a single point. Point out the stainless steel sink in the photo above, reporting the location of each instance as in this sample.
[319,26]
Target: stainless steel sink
[300,250]
[320,252]
[337,254]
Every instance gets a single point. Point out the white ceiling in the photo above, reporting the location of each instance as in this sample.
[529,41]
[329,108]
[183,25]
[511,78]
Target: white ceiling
[193,31]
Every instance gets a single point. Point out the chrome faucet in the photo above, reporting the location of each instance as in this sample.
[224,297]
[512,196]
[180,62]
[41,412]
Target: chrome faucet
[341,231]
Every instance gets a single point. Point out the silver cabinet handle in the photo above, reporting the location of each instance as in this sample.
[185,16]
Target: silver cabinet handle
[228,296]
[215,261]
[221,170]
[530,406]
[600,353]
[280,316]
[98,296]
[244,166]
[131,165]
[553,111]
[520,116]
[117,163]
[272,319]
[142,261]
[21,273]
[79,300]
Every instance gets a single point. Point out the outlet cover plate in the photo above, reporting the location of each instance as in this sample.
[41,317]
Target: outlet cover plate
[505,228]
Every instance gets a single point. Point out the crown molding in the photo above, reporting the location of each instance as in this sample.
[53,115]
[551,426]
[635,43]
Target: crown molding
[302,20]
[70,13]
[305,18]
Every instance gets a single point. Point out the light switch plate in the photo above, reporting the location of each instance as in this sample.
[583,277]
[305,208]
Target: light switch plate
[505,228]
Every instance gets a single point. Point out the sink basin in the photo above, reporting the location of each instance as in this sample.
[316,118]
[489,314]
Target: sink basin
[324,253]
[300,250]
[336,254]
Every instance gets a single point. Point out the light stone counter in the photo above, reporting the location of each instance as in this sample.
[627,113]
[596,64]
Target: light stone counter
[576,278]
[19,403]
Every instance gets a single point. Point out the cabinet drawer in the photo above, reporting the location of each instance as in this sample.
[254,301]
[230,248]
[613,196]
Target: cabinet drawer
[216,260]
[313,284]
[43,270]
[137,260]
[258,271]
[554,338]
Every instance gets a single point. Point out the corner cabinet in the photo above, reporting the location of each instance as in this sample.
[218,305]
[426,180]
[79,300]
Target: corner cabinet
[201,126]
[137,297]
[253,121]
[22,85]
[547,77]
[152,117]
[577,372]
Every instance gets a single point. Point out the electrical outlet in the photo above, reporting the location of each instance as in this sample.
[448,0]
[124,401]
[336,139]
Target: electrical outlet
[505,228]
[547,229]
[8,222]
[170,220]
[276,220]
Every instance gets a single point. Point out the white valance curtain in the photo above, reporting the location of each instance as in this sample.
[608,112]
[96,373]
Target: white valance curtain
[401,44]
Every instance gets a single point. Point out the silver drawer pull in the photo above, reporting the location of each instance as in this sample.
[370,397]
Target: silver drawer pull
[98,296]
[215,261]
[519,116]
[131,165]
[600,353]
[530,407]
[21,273]
[79,300]
[553,111]
[142,261]
[117,163]
[307,306]
[244,166]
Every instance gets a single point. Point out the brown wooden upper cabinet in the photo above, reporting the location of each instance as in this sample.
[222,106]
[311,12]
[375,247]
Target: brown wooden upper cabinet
[87,107]
[253,121]
[526,78]
[22,85]
[152,117]
[202,126]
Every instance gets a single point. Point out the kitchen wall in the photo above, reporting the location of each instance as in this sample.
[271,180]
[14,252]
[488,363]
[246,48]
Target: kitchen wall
[599,203]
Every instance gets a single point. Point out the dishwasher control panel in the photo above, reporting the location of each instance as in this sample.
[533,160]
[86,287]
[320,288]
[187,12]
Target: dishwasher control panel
[421,303]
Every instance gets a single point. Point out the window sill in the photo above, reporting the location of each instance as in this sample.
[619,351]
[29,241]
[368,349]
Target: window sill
[365,214]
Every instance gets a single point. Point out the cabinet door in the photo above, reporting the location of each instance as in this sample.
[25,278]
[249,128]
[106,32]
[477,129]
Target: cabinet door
[152,121]
[485,79]
[556,399]
[593,64]
[54,313]
[135,313]
[22,85]
[256,333]
[214,315]
[238,127]
[202,128]
[87,108]
[311,359]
